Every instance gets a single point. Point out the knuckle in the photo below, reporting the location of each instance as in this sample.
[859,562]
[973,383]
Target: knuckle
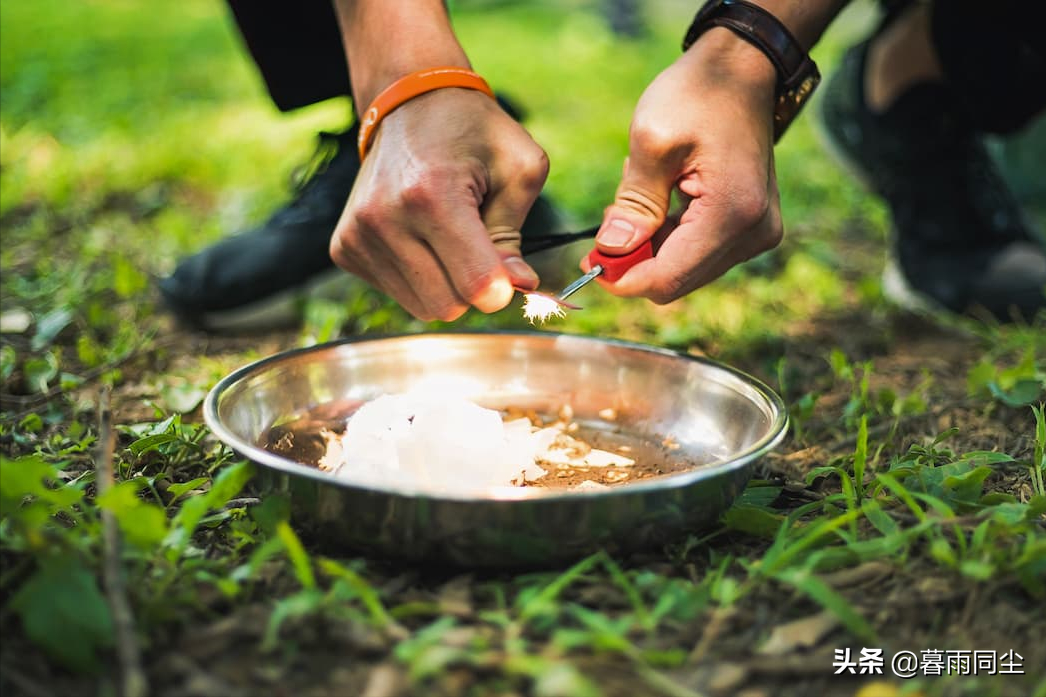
[534,168]
[420,189]
[339,250]
[526,167]
[367,216]
[773,234]
[653,140]
[751,205]
[641,200]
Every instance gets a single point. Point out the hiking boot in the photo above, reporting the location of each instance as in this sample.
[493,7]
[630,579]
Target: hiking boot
[260,279]
[960,240]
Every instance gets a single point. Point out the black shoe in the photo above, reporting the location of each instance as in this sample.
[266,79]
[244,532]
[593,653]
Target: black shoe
[260,278]
[960,239]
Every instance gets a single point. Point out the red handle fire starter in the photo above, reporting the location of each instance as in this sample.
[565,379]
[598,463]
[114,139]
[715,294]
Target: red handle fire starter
[614,267]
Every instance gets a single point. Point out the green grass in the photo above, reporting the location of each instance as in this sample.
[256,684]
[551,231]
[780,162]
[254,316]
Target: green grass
[131,135]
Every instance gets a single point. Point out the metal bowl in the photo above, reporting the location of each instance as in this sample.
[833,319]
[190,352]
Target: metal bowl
[721,419]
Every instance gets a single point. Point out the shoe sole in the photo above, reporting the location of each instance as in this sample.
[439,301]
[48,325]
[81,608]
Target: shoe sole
[282,310]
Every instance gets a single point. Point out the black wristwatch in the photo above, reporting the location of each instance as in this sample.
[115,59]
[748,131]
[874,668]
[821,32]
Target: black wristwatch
[797,74]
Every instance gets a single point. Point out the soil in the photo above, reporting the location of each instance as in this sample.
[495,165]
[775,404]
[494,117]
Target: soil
[913,604]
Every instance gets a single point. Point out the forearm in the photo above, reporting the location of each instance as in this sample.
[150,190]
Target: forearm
[806,19]
[737,59]
[386,40]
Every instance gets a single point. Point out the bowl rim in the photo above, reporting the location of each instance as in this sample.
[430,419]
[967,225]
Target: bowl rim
[776,432]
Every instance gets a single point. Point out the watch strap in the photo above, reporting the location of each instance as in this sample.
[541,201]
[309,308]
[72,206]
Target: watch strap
[797,74]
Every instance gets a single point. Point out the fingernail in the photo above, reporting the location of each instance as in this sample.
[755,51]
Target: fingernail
[521,272]
[617,233]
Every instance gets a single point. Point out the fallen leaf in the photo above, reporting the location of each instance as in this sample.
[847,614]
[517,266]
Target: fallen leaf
[860,575]
[799,634]
[727,677]
[384,681]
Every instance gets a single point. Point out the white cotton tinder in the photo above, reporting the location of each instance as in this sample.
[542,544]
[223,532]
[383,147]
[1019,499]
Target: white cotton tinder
[434,442]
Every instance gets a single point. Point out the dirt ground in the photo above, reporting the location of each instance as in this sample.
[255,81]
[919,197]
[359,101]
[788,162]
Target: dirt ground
[912,605]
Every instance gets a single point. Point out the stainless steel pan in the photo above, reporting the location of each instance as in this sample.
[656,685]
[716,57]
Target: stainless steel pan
[718,419]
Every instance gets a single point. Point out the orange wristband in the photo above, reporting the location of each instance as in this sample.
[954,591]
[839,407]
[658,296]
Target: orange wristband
[409,87]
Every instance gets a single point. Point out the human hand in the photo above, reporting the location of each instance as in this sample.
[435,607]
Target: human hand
[434,216]
[704,127]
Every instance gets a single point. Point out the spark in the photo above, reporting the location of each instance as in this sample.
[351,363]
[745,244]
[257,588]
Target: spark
[537,306]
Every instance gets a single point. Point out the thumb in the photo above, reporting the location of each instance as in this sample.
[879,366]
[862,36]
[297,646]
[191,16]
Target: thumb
[640,205]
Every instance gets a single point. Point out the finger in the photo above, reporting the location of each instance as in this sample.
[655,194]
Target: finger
[699,250]
[644,195]
[376,265]
[471,263]
[685,256]
[516,182]
[420,274]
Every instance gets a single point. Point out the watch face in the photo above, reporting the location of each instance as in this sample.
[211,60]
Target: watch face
[790,102]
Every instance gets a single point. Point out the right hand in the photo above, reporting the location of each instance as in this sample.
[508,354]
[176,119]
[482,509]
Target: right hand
[434,216]
[704,128]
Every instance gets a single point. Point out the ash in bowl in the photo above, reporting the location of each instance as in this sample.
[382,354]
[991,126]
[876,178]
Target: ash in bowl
[441,443]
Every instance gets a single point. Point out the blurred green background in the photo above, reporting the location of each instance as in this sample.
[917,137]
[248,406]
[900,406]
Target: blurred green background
[142,131]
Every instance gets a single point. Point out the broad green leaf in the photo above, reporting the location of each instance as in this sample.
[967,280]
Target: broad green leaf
[65,614]
[183,398]
[1023,392]
[177,490]
[50,326]
[127,278]
[1011,514]
[40,371]
[273,509]
[8,361]
[996,498]
[967,487]
[28,476]
[228,483]
[143,524]
[942,551]
[977,569]
[753,521]
[225,486]
[979,377]
[150,443]
[880,519]
[761,495]
[31,423]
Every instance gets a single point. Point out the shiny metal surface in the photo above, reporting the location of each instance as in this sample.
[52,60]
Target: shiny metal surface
[722,420]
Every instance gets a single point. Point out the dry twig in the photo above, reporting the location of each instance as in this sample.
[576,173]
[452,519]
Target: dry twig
[133,680]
